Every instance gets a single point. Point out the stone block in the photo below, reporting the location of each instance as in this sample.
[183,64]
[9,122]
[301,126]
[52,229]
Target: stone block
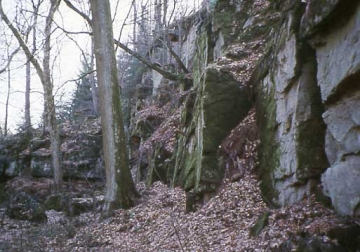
[341,184]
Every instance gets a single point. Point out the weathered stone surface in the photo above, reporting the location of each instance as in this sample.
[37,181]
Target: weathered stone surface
[338,59]
[40,165]
[77,206]
[38,143]
[343,122]
[341,183]
[230,17]
[13,169]
[300,136]
[24,207]
[87,168]
[287,62]
[221,94]
[289,109]
[338,74]
[218,48]
[316,13]
[260,224]
[220,104]
[156,79]
[308,243]
[322,16]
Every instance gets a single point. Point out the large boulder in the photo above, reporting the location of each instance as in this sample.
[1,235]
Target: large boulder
[343,122]
[14,168]
[25,207]
[40,165]
[220,104]
[343,237]
[341,183]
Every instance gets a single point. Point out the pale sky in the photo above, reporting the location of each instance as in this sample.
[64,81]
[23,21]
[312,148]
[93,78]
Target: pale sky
[66,67]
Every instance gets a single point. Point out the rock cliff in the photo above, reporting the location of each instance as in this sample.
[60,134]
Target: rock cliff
[306,100]
[297,63]
[294,66]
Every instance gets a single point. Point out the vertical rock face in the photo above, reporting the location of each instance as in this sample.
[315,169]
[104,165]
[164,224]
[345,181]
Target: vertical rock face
[308,95]
[338,59]
[292,131]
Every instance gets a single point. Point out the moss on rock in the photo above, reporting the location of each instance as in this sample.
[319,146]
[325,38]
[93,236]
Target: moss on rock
[269,149]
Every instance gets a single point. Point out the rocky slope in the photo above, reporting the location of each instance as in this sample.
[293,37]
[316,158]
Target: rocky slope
[270,104]
[236,219]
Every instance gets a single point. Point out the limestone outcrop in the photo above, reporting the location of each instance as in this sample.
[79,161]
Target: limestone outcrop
[307,100]
[80,150]
[293,64]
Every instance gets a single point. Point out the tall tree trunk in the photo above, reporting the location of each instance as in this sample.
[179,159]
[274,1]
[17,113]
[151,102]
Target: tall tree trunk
[27,123]
[7,68]
[135,24]
[94,94]
[7,99]
[45,78]
[48,96]
[120,188]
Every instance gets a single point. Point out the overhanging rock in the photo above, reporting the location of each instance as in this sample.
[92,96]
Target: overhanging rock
[220,104]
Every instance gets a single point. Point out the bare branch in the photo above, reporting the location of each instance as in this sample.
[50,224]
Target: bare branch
[122,27]
[22,43]
[116,8]
[176,57]
[82,14]
[166,74]
[77,79]
[9,60]
[148,63]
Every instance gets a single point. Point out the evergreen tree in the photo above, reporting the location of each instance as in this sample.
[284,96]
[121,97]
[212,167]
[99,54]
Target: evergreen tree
[82,104]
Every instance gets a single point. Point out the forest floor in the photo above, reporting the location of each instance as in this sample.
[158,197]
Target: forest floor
[159,223]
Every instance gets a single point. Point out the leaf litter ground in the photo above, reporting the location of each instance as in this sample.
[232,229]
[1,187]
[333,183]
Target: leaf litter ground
[159,222]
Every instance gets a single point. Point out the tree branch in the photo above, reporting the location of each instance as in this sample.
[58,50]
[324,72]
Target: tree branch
[9,60]
[166,74]
[82,14]
[176,57]
[22,44]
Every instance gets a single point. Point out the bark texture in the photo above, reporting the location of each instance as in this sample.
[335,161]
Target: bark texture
[120,188]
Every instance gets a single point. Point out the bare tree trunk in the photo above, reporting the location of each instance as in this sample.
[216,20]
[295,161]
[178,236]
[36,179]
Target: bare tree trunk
[48,96]
[7,99]
[165,7]
[157,16]
[92,80]
[135,24]
[7,68]
[120,188]
[27,123]
[44,75]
